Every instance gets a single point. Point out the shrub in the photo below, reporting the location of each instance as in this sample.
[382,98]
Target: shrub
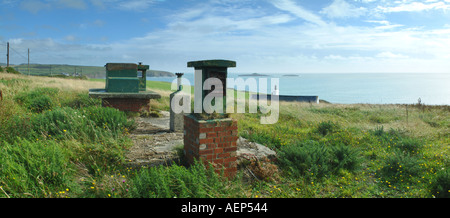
[305,159]
[63,123]
[378,131]
[37,100]
[108,118]
[90,124]
[409,145]
[12,70]
[345,157]
[440,187]
[327,127]
[16,126]
[311,158]
[401,166]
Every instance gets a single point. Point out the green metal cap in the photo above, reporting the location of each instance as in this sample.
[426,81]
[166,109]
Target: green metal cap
[211,63]
[120,66]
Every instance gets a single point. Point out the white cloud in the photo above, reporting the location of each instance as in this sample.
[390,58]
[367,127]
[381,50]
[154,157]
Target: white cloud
[34,6]
[388,54]
[70,38]
[384,24]
[135,5]
[342,9]
[291,7]
[256,40]
[414,7]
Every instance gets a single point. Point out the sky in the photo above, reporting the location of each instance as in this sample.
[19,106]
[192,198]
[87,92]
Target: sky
[262,36]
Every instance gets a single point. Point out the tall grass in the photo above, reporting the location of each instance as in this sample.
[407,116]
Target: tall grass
[178,181]
[34,168]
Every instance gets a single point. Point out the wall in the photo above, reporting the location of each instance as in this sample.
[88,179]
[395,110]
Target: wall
[127,104]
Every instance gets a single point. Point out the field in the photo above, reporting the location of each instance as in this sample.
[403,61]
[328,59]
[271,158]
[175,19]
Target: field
[56,142]
[59,69]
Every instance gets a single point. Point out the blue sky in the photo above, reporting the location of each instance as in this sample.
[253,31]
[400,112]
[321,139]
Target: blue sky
[267,36]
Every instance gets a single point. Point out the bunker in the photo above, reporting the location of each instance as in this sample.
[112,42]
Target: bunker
[125,87]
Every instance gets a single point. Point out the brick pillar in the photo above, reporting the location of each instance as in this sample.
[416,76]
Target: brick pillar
[127,104]
[212,141]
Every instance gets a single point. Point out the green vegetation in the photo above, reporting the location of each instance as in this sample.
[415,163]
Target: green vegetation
[64,70]
[339,151]
[56,142]
[9,70]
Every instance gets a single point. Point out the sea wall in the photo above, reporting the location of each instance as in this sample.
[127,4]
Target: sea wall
[291,98]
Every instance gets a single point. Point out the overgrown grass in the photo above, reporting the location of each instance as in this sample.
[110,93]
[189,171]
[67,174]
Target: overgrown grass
[355,150]
[178,181]
[67,145]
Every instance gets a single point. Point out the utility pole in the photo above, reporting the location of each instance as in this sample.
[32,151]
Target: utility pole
[28,62]
[7,55]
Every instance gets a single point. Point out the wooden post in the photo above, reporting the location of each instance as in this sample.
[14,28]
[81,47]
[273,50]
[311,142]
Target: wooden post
[407,115]
[7,55]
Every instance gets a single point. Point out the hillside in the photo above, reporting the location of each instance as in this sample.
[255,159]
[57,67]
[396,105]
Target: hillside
[90,71]
[56,142]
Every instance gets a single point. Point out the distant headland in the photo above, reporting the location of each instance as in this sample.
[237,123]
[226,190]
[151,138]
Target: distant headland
[253,74]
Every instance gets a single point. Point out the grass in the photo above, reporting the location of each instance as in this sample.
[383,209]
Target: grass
[67,145]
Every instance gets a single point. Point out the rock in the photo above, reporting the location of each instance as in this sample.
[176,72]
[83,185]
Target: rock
[247,149]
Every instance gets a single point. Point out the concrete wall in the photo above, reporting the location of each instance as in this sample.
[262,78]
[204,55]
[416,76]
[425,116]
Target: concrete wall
[127,104]
[310,99]
[177,119]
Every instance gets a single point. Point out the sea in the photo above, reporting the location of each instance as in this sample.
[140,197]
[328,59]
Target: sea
[351,88]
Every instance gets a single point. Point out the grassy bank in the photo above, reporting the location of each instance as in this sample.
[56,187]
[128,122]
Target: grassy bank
[57,142]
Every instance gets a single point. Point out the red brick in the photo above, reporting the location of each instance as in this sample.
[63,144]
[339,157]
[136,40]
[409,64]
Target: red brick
[231,128]
[210,157]
[223,155]
[206,151]
[211,134]
[218,150]
[218,161]
[205,130]
[206,141]
[218,129]
[230,149]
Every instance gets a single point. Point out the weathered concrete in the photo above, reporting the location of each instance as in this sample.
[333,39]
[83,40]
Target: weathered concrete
[177,119]
[310,99]
[101,93]
[155,144]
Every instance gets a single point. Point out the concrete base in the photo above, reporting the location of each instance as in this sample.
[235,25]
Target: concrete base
[177,119]
[291,98]
[125,101]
